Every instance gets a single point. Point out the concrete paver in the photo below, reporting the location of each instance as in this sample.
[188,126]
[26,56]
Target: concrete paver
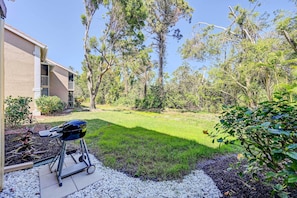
[49,185]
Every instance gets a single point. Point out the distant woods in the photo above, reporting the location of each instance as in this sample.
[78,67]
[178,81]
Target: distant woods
[246,62]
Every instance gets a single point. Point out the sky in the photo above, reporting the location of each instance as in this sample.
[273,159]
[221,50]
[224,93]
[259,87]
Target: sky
[57,24]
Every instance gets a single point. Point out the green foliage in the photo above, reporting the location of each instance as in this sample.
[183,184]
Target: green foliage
[125,20]
[78,101]
[81,87]
[83,19]
[152,101]
[50,104]
[185,89]
[17,110]
[135,13]
[268,134]
[250,60]
[247,67]
[162,25]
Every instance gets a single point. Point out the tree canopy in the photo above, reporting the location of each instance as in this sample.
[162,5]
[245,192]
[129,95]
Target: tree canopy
[247,61]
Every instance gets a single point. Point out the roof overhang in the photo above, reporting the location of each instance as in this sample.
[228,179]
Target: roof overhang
[52,63]
[23,35]
[43,47]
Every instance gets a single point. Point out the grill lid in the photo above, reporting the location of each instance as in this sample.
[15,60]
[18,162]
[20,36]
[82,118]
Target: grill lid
[70,130]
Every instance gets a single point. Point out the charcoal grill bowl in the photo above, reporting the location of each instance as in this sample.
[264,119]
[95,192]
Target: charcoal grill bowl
[73,130]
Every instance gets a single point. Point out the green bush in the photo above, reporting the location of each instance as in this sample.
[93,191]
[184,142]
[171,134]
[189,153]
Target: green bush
[269,137]
[152,101]
[128,101]
[78,101]
[17,110]
[50,104]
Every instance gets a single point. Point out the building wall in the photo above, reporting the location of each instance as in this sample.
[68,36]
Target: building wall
[19,66]
[22,64]
[59,83]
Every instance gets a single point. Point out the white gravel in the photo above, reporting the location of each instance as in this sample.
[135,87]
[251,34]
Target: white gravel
[115,184]
[24,183]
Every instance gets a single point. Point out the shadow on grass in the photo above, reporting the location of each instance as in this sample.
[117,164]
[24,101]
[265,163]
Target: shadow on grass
[144,153]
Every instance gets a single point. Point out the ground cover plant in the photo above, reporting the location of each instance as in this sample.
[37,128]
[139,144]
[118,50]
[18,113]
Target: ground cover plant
[147,145]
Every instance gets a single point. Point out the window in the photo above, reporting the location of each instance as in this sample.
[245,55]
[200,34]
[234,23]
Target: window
[44,70]
[44,76]
[70,99]
[44,92]
[70,77]
[70,81]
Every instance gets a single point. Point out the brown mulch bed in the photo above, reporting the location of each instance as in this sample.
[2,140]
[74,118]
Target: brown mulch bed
[18,150]
[225,174]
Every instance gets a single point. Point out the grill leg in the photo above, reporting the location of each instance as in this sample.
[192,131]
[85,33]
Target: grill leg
[84,150]
[85,156]
[51,165]
[53,162]
[61,162]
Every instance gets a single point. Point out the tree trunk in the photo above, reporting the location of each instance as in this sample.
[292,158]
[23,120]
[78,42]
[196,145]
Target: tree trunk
[162,47]
[145,81]
[126,81]
[161,59]
[92,102]
[145,90]
[250,94]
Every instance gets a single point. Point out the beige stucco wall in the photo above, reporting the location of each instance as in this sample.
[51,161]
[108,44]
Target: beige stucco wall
[19,66]
[59,83]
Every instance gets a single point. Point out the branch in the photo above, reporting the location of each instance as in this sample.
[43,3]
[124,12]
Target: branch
[248,35]
[227,93]
[236,81]
[216,26]
[241,27]
[291,41]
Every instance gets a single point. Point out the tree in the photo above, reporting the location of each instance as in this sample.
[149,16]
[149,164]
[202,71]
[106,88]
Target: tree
[110,88]
[143,69]
[248,62]
[122,29]
[286,25]
[162,16]
[81,87]
[183,90]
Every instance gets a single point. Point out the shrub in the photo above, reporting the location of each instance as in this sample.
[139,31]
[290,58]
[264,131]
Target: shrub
[78,101]
[269,137]
[152,101]
[50,104]
[16,111]
[126,101]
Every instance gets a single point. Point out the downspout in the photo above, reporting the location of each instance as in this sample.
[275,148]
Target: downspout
[2,137]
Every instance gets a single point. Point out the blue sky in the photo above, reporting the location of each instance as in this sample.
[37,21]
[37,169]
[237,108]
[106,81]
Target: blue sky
[57,24]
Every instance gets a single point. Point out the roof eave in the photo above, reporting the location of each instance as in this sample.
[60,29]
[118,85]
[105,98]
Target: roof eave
[21,34]
[50,62]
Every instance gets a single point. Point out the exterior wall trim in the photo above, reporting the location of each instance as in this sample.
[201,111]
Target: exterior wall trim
[37,81]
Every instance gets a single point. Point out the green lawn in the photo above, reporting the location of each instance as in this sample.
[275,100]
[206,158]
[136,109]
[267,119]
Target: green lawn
[147,145]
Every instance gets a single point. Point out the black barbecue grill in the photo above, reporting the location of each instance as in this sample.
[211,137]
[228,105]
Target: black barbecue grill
[72,130]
